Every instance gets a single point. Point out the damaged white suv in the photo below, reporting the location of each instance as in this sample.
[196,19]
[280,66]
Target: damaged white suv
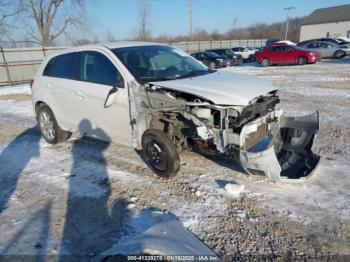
[161,100]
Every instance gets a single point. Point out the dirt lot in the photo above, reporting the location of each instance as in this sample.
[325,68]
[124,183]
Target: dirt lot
[81,197]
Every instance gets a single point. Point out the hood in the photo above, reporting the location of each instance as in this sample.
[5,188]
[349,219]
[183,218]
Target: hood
[221,87]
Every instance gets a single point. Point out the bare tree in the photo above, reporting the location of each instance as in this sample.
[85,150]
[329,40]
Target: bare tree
[8,9]
[51,18]
[143,31]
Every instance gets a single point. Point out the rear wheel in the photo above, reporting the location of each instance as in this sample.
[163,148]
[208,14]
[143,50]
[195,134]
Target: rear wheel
[160,153]
[265,62]
[339,54]
[301,60]
[49,127]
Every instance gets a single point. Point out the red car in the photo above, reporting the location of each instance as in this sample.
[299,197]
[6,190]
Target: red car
[286,54]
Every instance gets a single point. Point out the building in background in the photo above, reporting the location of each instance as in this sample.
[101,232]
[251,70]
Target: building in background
[326,22]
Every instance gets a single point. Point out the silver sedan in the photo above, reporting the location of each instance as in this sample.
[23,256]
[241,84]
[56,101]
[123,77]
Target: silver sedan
[328,50]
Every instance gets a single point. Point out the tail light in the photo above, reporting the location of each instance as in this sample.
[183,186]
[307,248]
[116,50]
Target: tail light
[31,82]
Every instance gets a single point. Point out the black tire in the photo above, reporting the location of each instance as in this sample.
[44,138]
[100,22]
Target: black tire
[212,65]
[339,54]
[58,135]
[301,60]
[160,153]
[265,62]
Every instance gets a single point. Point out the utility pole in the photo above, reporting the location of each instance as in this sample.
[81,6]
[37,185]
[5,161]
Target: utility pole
[288,10]
[190,5]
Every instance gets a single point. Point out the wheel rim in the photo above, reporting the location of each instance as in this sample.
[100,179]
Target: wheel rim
[156,156]
[47,125]
[301,61]
[265,62]
[211,65]
[339,54]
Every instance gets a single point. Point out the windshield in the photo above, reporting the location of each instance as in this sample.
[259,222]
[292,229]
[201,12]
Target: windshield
[229,52]
[159,63]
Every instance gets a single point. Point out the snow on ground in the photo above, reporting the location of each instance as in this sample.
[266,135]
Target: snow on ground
[17,89]
[83,196]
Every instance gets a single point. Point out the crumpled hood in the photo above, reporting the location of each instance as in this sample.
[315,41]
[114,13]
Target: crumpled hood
[221,87]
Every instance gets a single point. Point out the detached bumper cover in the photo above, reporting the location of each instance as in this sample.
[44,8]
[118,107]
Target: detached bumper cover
[289,152]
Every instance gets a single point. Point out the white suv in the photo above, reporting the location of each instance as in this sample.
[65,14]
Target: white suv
[161,100]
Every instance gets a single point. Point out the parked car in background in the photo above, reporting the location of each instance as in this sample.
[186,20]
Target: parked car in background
[256,49]
[211,59]
[327,49]
[229,55]
[247,54]
[329,40]
[343,40]
[302,43]
[286,54]
[334,41]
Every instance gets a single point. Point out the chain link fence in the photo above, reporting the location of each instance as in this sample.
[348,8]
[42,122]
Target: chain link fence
[19,65]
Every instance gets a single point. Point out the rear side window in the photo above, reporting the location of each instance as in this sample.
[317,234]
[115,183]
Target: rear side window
[63,66]
[97,68]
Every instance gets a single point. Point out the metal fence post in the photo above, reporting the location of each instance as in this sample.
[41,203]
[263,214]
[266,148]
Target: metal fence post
[199,46]
[6,67]
[43,48]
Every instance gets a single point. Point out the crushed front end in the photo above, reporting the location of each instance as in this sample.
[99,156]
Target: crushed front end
[266,142]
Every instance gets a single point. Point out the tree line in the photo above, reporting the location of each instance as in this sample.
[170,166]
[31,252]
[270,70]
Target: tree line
[43,22]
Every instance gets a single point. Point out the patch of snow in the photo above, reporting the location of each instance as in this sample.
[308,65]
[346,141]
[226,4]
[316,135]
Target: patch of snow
[234,189]
[17,112]
[130,206]
[14,90]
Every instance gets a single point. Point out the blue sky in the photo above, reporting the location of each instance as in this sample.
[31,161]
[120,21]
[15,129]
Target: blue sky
[171,16]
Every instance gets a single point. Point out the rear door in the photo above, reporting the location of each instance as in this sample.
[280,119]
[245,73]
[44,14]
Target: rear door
[289,55]
[98,75]
[61,75]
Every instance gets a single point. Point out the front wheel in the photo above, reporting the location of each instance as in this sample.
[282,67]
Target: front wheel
[160,153]
[49,127]
[301,60]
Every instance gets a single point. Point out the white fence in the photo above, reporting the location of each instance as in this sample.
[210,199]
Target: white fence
[18,65]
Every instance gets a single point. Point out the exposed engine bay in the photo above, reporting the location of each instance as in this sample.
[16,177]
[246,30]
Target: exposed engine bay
[264,141]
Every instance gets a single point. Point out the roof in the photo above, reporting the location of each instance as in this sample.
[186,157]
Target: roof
[118,44]
[328,15]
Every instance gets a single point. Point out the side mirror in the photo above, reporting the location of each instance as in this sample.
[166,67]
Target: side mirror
[112,94]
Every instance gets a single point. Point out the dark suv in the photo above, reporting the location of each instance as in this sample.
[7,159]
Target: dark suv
[211,59]
[229,55]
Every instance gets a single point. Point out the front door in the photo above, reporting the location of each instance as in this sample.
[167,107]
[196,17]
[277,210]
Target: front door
[98,75]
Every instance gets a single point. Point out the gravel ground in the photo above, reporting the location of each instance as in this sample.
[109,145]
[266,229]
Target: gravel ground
[82,196]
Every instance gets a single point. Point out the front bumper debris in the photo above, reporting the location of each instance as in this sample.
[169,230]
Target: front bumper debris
[284,154]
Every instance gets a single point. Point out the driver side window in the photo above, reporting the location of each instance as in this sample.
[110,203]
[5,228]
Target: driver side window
[164,60]
[97,68]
